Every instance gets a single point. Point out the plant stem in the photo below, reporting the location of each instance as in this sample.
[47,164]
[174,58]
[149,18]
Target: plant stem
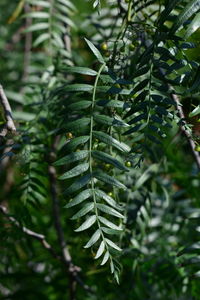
[90,151]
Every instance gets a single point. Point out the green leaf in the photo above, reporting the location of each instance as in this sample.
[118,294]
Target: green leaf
[37,14]
[145,214]
[80,105]
[195,112]
[80,70]
[138,137]
[113,103]
[109,159]
[194,25]
[116,276]
[97,4]
[82,212]
[197,274]
[108,179]
[156,119]
[165,13]
[112,268]
[137,128]
[105,258]
[186,46]
[108,210]
[87,224]
[196,82]
[103,119]
[146,57]
[77,124]
[195,248]
[39,3]
[140,117]
[74,142]
[37,27]
[23,116]
[14,96]
[109,224]
[110,231]
[113,245]
[78,87]
[78,184]
[187,12]
[140,98]
[72,157]
[68,4]
[141,71]
[161,110]
[95,51]
[95,237]
[57,40]
[153,139]
[80,198]
[75,171]
[65,20]
[107,139]
[64,9]
[141,86]
[100,250]
[113,90]
[41,38]
[108,199]
[165,52]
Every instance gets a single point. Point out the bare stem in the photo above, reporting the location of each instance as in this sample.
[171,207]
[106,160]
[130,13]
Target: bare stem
[185,131]
[27,231]
[183,124]
[42,239]
[9,126]
[66,256]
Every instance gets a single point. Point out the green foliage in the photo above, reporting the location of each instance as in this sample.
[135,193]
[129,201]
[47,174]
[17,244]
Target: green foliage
[99,162]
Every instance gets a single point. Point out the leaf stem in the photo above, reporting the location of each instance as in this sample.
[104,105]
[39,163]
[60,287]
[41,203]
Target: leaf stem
[130,4]
[91,136]
[90,152]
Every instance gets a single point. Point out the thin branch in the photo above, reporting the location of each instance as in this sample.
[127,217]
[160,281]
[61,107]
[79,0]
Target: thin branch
[183,122]
[185,131]
[57,217]
[42,239]
[67,259]
[6,158]
[9,126]
[60,234]
[33,234]
[67,39]
[56,206]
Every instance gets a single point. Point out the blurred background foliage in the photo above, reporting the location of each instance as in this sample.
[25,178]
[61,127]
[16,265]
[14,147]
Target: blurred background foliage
[160,258]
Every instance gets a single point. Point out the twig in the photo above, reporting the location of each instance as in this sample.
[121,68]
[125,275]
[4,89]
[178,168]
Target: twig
[61,239]
[41,238]
[67,39]
[57,219]
[56,204]
[185,131]
[5,161]
[9,126]
[67,259]
[33,234]
[183,122]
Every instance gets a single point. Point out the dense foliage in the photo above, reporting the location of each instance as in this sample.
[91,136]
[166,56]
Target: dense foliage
[100,180]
